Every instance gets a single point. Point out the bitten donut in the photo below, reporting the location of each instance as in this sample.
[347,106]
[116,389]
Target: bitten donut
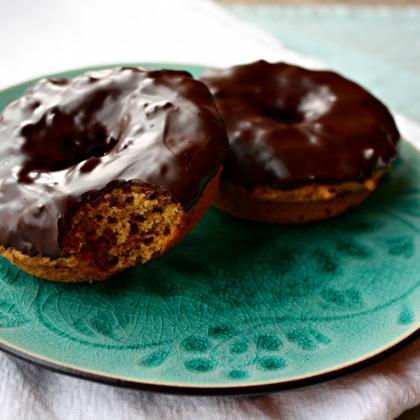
[106,170]
[304,145]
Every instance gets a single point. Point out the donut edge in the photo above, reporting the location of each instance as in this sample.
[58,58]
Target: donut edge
[267,205]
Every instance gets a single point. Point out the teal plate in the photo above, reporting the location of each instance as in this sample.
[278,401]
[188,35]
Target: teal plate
[236,307]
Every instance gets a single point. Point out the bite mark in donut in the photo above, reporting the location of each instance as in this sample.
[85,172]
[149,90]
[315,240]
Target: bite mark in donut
[106,170]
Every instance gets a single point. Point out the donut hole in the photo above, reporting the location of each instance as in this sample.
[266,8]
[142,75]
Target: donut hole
[64,142]
[282,114]
[113,237]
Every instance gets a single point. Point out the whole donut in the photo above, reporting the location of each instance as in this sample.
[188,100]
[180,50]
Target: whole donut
[304,145]
[106,170]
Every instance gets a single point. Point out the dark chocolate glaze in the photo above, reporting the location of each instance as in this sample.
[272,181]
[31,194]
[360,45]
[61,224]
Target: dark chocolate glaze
[65,141]
[288,126]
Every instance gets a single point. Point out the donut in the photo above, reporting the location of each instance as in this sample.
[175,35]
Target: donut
[105,170]
[304,145]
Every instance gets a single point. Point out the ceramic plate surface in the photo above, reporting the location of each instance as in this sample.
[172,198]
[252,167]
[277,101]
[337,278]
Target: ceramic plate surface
[236,307]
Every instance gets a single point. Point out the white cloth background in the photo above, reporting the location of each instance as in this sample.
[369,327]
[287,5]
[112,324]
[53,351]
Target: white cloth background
[44,36]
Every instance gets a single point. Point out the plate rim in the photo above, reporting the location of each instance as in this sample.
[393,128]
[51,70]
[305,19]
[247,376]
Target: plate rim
[210,390]
[96,67]
[266,387]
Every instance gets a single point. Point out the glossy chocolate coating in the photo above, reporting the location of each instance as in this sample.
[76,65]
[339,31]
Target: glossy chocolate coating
[66,141]
[288,126]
